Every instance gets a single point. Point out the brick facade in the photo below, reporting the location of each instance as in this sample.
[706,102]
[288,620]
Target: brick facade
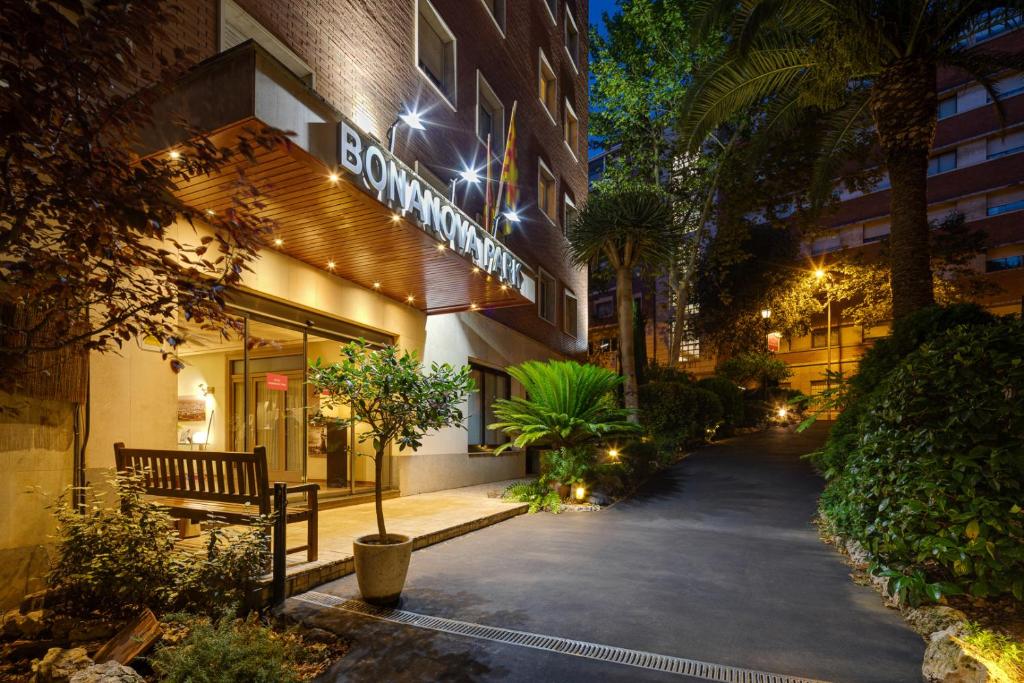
[362,55]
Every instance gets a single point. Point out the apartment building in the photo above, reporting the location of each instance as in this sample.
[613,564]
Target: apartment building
[976,169]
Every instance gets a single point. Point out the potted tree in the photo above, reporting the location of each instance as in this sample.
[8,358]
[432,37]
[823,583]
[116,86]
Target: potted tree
[387,391]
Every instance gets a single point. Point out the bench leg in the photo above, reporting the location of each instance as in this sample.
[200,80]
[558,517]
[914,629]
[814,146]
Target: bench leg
[311,527]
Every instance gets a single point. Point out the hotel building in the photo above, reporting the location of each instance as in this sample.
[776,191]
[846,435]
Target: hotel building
[976,169]
[389,102]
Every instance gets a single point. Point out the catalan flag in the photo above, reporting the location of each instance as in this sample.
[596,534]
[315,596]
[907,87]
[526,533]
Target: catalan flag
[509,178]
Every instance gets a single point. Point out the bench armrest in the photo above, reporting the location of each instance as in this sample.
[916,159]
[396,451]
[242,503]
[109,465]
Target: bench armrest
[304,488]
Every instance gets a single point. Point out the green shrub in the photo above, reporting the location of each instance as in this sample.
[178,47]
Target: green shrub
[667,373]
[639,460]
[936,482]
[115,559]
[754,366]
[674,414]
[569,465]
[731,397]
[539,496]
[229,652]
[853,394]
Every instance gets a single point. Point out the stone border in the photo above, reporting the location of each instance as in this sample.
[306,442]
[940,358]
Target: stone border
[304,579]
[941,626]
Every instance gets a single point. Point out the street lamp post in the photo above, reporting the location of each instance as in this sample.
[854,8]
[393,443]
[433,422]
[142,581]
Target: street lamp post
[820,275]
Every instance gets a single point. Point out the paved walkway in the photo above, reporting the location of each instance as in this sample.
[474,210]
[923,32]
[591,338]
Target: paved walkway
[715,561]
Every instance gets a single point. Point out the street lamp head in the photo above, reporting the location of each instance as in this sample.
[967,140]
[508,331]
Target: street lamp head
[470,175]
[766,313]
[413,120]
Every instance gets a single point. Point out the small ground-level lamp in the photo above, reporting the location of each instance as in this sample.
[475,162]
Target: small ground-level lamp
[782,412]
[580,492]
[613,453]
[819,273]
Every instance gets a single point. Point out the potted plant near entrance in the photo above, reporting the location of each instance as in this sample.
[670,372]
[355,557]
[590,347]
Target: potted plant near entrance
[387,391]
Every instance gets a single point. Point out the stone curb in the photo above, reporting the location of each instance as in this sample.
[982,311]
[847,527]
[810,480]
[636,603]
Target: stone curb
[305,579]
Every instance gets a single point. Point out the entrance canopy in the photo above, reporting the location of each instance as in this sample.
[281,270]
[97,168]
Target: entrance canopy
[340,200]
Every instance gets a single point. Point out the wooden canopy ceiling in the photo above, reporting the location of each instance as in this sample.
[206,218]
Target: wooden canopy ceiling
[323,222]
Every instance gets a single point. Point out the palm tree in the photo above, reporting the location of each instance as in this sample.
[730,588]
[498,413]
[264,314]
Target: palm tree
[859,63]
[631,226]
[567,405]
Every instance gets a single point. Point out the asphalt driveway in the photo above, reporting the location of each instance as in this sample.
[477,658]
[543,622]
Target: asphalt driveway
[715,560]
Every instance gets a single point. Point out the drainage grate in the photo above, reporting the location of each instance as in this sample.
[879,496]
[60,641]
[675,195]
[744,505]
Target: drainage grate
[565,646]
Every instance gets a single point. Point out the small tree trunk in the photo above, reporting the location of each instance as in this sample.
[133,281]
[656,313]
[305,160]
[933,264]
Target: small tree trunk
[378,468]
[903,106]
[624,302]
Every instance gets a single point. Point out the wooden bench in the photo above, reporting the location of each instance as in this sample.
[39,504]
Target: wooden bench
[211,485]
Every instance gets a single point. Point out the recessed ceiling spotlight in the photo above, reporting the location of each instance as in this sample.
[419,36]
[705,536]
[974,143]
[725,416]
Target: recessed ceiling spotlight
[278,242]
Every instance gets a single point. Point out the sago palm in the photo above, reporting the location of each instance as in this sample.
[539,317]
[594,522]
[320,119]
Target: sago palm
[567,404]
[863,65]
[631,226]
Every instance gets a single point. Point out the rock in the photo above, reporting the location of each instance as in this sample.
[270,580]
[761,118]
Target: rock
[26,649]
[927,620]
[29,626]
[58,665]
[44,599]
[107,672]
[856,552]
[318,635]
[946,662]
[598,498]
[92,629]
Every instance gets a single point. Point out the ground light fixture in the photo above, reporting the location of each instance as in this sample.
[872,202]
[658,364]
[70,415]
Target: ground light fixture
[819,273]
[782,412]
[580,492]
[613,452]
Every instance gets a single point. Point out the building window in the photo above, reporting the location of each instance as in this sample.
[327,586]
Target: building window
[546,191]
[490,114]
[1005,204]
[570,313]
[603,310]
[1005,145]
[820,341]
[942,163]
[552,7]
[496,8]
[547,86]
[546,287]
[572,38]
[569,213]
[994,265]
[992,23]
[571,130]
[875,232]
[491,385]
[238,26]
[435,50]
[947,107]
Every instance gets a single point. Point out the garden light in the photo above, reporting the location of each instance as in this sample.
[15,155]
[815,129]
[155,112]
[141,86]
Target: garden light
[819,273]
[613,452]
[782,413]
[766,313]
[581,493]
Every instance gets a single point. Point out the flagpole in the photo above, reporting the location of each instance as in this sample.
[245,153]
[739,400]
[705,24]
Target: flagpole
[487,187]
[501,178]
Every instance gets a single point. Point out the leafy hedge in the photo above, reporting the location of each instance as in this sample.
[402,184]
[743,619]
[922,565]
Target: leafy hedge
[880,360]
[674,413]
[731,397]
[935,483]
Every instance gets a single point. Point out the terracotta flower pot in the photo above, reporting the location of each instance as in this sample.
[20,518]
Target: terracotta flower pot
[381,568]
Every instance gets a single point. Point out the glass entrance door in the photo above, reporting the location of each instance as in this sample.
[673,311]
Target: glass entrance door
[276,422]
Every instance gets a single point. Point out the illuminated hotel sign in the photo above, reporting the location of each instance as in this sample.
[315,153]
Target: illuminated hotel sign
[401,189]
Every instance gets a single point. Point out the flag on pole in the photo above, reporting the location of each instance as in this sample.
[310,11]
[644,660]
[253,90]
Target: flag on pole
[509,178]
[488,198]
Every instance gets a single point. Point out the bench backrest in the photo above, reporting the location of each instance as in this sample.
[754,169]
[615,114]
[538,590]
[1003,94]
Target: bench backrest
[201,475]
